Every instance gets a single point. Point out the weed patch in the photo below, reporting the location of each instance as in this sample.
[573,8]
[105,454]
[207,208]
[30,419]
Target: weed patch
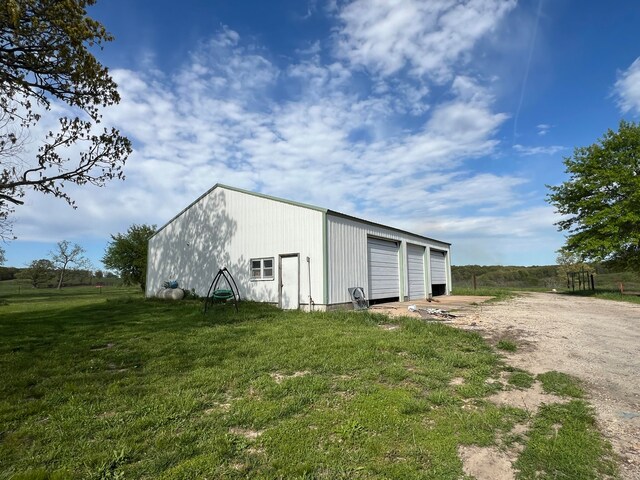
[564,443]
[608,295]
[521,379]
[561,384]
[507,345]
[498,294]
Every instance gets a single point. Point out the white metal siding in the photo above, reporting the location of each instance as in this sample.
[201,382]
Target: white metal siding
[384,276]
[347,253]
[438,268]
[415,267]
[227,228]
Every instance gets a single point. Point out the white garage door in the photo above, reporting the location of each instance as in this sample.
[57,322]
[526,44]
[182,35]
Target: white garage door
[384,279]
[415,262]
[438,268]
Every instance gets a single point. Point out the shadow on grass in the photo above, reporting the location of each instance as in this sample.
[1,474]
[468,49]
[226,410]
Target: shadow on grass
[117,336]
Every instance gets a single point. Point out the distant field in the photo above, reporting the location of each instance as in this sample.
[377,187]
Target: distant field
[539,278]
[18,289]
[112,386]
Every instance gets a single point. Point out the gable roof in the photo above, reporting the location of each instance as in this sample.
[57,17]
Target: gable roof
[297,204]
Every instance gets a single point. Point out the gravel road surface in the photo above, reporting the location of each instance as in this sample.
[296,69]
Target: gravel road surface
[596,340]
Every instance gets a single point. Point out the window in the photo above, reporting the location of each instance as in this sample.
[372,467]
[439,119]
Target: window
[262,268]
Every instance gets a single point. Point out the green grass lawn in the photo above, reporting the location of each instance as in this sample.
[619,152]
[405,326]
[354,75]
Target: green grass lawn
[505,293]
[630,297]
[498,293]
[111,386]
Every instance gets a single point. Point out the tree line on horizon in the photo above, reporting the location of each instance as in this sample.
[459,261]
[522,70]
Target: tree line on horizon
[67,264]
[606,276]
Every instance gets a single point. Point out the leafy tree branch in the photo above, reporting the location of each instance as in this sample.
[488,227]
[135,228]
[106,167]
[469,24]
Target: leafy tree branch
[45,58]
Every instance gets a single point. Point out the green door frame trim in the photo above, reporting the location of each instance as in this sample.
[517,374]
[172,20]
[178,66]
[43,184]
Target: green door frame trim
[402,252]
[325,260]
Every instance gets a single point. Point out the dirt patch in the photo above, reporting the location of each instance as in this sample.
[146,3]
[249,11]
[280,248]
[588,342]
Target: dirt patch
[389,326]
[106,415]
[486,463]
[457,381]
[281,377]
[246,432]
[218,407]
[458,304]
[529,400]
[595,340]
[519,429]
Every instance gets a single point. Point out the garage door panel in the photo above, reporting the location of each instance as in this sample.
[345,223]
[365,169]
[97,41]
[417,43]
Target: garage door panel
[438,268]
[415,263]
[384,276]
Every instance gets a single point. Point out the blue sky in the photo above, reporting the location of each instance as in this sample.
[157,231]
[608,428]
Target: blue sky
[446,118]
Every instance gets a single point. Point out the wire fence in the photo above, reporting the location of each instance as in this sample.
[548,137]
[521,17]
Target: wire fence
[622,281]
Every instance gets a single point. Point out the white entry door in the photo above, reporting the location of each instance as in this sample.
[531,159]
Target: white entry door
[290,282]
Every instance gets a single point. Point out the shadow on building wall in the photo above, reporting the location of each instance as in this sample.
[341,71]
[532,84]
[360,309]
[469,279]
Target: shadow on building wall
[196,244]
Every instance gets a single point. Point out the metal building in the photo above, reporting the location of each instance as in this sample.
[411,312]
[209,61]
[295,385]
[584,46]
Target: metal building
[293,255]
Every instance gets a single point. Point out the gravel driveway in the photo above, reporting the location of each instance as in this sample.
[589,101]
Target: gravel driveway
[596,340]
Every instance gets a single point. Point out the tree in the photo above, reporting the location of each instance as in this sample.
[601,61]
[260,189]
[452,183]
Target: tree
[569,263]
[66,255]
[601,199]
[45,60]
[3,258]
[127,253]
[38,272]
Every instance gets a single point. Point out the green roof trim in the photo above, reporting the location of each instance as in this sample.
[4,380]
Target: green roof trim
[270,197]
[375,224]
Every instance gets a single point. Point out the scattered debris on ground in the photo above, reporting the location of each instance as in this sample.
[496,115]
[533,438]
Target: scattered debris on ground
[430,313]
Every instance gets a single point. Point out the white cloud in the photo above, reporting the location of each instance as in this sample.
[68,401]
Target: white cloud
[528,150]
[427,38]
[502,239]
[223,117]
[543,129]
[522,223]
[627,88]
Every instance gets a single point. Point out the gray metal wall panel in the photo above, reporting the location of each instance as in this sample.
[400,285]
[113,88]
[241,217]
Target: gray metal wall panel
[347,254]
[438,268]
[415,263]
[384,270]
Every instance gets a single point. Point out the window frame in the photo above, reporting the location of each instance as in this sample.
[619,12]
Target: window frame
[262,268]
